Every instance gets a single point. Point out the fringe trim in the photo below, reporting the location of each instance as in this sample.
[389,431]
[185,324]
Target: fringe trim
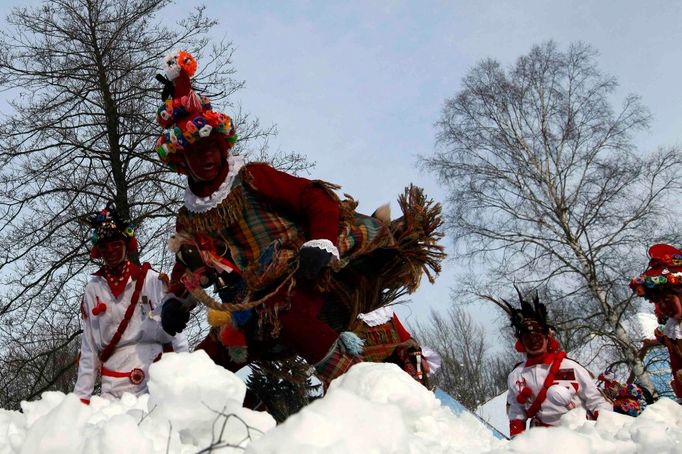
[415,245]
[227,212]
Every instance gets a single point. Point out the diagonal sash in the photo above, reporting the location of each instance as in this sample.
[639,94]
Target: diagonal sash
[554,368]
[107,351]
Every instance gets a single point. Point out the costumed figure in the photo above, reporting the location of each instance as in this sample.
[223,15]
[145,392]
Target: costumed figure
[548,384]
[661,283]
[121,313]
[292,264]
[628,399]
[385,339]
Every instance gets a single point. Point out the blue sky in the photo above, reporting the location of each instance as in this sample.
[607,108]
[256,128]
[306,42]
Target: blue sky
[358,85]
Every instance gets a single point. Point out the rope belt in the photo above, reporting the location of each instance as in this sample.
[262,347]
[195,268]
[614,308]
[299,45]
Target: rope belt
[136,376]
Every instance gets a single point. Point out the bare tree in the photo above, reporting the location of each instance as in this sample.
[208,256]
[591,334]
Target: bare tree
[470,372]
[80,77]
[546,187]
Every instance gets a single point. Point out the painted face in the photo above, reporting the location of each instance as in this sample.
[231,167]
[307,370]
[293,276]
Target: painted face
[671,305]
[534,342]
[204,160]
[113,252]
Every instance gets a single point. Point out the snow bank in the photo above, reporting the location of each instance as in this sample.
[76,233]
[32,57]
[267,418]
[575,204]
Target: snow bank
[374,408]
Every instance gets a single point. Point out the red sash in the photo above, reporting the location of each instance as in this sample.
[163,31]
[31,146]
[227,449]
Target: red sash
[107,351]
[554,368]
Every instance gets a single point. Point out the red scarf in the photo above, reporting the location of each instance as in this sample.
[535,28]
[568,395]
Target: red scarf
[117,282]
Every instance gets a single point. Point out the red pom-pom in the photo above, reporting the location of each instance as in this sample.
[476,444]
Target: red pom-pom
[187,62]
[524,395]
[99,309]
[231,336]
[519,346]
[133,245]
[94,253]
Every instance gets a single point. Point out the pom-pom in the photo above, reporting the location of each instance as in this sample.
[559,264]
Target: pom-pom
[231,336]
[518,346]
[187,62]
[237,354]
[524,395]
[352,343]
[133,245]
[171,66]
[218,318]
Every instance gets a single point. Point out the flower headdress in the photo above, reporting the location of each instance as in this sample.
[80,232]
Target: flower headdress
[107,225]
[664,269]
[184,115]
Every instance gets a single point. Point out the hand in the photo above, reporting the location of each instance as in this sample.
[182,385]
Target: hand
[311,260]
[174,316]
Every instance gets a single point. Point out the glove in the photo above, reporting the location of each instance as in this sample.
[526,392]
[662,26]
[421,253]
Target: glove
[174,316]
[311,260]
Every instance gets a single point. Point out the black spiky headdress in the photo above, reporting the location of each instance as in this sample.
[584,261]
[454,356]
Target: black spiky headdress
[531,316]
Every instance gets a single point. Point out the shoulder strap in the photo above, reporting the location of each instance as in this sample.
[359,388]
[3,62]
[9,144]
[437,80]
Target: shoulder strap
[107,351]
[554,368]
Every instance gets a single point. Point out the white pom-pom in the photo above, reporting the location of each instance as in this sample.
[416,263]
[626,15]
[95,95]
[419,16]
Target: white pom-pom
[171,67]
[205,131]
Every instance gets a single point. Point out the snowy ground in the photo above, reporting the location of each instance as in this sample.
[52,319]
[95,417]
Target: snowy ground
[374,408]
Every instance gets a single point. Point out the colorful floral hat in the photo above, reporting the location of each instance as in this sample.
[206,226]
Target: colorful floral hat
[665,269]
[107,225]
[184,115]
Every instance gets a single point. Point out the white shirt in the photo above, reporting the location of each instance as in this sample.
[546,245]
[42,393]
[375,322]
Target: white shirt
[573,387]
[141,342]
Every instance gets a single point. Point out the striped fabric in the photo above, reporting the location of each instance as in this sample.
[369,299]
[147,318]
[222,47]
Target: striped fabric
[380,341]
[337,364]
[263,241]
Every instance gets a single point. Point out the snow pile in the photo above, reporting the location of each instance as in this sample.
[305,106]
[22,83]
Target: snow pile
[657,430]
[374,408]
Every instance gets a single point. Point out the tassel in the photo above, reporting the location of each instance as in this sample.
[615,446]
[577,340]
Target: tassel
[352,343]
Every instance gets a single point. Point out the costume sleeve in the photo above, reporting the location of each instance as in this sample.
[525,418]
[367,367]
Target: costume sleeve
[156,289]
[515,410]
[589,393]
[176,287]
[88,363]
[301,197]
[180,343]
[402,332]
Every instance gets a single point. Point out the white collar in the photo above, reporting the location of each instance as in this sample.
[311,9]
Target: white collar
[197,204]
[377,317]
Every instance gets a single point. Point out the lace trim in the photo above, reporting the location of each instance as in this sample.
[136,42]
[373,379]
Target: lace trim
[325,245]
[197,204]
[377,317]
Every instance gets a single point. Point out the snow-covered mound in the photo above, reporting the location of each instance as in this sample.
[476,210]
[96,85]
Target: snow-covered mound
[374,408]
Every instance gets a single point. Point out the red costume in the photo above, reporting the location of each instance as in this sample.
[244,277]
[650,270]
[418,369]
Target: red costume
[292,263]
[661,283]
